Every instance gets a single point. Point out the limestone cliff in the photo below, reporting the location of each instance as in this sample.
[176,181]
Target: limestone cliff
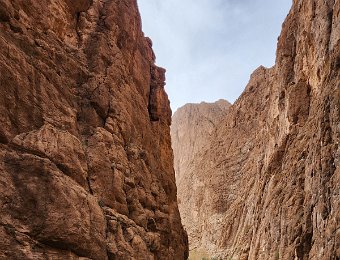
[267,184]
[191,128]
[86,168]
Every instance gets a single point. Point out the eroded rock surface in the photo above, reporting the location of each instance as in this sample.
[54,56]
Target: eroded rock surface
[191,129]
[86,167]
[267,185]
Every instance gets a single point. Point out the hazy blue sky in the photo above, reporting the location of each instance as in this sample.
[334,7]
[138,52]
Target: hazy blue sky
[210,47]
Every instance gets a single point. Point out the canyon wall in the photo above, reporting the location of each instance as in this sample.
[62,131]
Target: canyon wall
[191,128]
[267,184]
[86,165]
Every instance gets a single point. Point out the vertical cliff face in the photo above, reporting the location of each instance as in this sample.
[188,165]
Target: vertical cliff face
[267,185]
[192,126]
[86,165]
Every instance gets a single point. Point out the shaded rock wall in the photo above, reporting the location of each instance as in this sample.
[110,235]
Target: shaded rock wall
[86,166]
[267,185]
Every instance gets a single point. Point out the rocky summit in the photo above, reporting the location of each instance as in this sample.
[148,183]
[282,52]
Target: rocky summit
[263,182]
[86,165]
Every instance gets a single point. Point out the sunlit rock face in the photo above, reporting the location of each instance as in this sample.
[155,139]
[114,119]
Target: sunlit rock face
[191,128]
[86,165]
[266,184]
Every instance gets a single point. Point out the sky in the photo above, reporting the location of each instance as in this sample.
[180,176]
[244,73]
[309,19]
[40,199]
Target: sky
[210,47]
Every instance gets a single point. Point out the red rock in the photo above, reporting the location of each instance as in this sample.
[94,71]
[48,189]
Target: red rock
[85,151]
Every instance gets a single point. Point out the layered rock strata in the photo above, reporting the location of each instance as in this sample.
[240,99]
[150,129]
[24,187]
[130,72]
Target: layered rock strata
[86,166]
[267,184]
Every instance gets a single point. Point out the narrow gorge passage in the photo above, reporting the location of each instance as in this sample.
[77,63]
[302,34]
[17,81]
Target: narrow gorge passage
[87,165]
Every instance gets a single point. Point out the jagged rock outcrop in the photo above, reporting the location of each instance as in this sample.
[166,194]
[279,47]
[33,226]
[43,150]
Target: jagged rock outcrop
[267,184]
[86,169]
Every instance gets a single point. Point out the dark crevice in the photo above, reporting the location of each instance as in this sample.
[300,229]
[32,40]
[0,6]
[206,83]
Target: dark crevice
[88,177]
[3,139]
[61,245]
[303,249]
[89,185]
[78,29]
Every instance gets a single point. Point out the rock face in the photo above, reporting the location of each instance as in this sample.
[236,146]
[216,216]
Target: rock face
[267,185]
[192,126]
[191,130]
[86,168]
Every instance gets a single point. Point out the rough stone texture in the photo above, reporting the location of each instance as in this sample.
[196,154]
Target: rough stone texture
[192,125]
[267,186]
[86,166]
